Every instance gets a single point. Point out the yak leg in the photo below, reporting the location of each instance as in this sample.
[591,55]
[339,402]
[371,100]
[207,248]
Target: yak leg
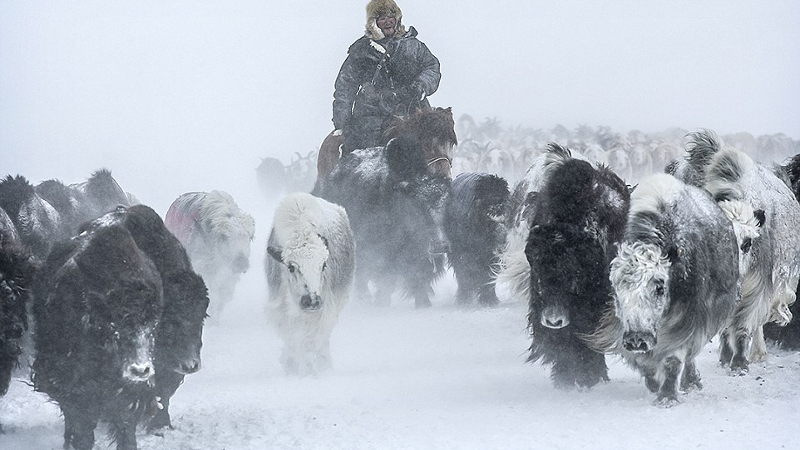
[385,287]
[78,429]
[167,382]
[577,365]
[691,377]
[487,295]
[124,432]
[758,349]
[668,394]
[725,348]
[739,363]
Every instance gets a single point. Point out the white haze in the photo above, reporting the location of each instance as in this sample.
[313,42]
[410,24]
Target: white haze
[187,95]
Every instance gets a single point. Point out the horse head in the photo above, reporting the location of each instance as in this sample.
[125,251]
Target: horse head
[434,128]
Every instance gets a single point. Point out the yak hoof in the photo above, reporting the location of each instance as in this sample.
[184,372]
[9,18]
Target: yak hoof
[667,401]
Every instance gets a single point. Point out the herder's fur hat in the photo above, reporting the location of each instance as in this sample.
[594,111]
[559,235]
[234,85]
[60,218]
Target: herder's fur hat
[377,8]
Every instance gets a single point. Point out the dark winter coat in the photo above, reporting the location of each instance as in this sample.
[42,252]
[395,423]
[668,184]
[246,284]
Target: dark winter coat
[380,79]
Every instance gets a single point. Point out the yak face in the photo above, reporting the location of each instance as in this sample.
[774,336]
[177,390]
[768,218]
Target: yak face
[567,275]
[122,323]
[179,336]
[747,225]
[640,278]
[305,260]
[492,197]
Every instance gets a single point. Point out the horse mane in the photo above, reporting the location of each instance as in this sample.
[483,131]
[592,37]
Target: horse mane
[423,123]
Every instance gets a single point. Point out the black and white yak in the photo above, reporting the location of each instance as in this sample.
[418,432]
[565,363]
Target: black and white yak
[474,224]
[675,280]
[38,223]
[396,210]
[576,227]
[789,335]
[310,265]
[179,335]
[217,235]
[16,278]
[97,301]
[769,283]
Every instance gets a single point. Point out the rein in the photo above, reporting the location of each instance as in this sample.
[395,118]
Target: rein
[436,159]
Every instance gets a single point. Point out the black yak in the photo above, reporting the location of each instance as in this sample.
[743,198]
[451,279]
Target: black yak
[97,301]
[474,225]
[16,276]
[103,192]
[179,335]
[396,210]
[38,223]
[675,281]
[576,227]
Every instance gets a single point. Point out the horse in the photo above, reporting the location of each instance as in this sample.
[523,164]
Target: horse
[434,129]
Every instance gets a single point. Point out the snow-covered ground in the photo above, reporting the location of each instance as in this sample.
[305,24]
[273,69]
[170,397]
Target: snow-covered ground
[441,378]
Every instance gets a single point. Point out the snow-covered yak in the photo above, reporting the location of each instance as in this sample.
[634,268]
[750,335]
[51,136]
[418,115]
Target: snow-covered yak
[16,276]
[310,267]
[73,206]
[217,235]
[474,224]
[513,276]
[578,223]
[770,281]
[396,209]
[675,280]
[38,223]
[103,192]
[179,335]
[788,336]
[97,301]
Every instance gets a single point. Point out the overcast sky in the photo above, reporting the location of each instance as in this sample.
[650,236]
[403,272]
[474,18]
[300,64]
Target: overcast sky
[198,90]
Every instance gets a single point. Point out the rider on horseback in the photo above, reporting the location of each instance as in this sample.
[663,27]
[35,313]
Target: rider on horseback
[388,72]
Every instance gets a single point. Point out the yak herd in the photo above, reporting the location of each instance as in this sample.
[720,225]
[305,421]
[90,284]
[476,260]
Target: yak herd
[649,264]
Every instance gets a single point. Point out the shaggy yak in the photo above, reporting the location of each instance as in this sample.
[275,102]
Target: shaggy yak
[16,276]
[103,192]
[36,221]
[396,209]
[217,235]
[514,272]
[97,300]
[770,281]
[179,335]
[578,223]
[474,225]
[788,336]
[309,266]
[675,281]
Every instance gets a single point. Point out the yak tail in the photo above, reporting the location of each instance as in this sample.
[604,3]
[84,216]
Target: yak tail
[702,146]
[608,335]
[725,173]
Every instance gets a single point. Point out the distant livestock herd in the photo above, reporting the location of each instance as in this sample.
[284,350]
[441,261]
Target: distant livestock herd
[649,265]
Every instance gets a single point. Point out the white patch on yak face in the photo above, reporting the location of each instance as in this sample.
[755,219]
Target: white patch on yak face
[138,367]
[305,263]
[640,277]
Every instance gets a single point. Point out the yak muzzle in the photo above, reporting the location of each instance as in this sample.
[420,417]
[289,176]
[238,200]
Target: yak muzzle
[138,372]
[638,341]
[310,302]
[555,317]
